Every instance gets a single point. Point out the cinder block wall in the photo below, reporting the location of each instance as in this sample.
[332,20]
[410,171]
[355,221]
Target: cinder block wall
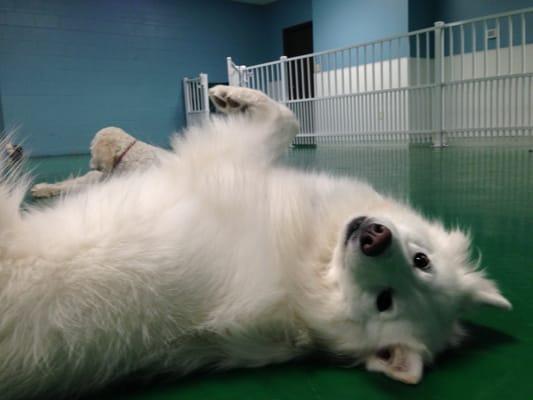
[69,68]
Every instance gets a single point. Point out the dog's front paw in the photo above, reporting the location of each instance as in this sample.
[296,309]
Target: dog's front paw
[44,190]
[234,99]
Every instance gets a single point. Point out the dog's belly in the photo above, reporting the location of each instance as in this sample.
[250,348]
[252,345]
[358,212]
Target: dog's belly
[161,269]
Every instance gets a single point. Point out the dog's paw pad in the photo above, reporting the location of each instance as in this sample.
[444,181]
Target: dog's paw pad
[233,99]
[233,104]
[219,102]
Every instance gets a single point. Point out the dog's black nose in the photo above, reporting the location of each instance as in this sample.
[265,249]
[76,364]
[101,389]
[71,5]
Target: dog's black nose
[374,239]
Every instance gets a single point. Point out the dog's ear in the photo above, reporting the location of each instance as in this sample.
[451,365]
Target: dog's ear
[397,362]
[483,291]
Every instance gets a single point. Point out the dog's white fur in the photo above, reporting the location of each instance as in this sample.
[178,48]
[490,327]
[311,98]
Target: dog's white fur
[218,258]
[106,148]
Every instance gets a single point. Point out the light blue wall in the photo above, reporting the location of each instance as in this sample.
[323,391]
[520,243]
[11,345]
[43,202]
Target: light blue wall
[423,13]
[457,10]
[280,15]
[338,23]
[71,67]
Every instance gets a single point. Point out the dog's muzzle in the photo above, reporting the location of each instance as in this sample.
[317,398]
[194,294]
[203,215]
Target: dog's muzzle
[373,238]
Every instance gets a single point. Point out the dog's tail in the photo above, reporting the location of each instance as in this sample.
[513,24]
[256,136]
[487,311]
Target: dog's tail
[13,185]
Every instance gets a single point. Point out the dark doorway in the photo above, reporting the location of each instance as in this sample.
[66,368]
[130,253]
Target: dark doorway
[297,41]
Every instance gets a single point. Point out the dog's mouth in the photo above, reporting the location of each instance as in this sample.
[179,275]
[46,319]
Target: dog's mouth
[353,228]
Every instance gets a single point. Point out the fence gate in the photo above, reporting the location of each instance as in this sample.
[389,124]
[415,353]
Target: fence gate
[196,99]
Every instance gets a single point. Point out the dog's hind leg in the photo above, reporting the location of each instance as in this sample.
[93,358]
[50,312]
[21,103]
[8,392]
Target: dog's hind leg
[278,124]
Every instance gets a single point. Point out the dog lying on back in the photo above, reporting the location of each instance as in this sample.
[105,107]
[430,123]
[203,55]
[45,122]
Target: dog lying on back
[112,151]
[217,257]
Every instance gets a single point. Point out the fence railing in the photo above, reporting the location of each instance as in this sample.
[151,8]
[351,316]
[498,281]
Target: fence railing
[195,93]
[464,79]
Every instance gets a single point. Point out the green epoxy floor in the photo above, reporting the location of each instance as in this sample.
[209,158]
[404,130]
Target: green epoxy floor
[489,190]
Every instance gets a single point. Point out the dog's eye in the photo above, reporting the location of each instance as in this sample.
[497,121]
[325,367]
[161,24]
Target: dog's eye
[384,300]
[421,261]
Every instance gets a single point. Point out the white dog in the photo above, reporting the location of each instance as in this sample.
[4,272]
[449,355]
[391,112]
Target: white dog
[112,151]
[218,258]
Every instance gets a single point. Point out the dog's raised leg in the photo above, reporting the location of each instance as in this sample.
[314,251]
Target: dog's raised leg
[279,123]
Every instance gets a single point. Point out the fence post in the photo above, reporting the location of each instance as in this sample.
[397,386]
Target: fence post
[186,99]
[437,110]
[283,94]
[243,78]
[204,84]
[232,81]
[229,69]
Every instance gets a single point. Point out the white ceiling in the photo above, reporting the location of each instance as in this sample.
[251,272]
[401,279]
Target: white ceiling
[258,2]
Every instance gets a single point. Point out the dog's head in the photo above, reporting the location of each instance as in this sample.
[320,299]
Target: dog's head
[107,145]
[407,281]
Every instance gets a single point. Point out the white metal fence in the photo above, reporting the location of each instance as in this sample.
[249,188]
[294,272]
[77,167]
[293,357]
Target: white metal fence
[466,79]
[195,93]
